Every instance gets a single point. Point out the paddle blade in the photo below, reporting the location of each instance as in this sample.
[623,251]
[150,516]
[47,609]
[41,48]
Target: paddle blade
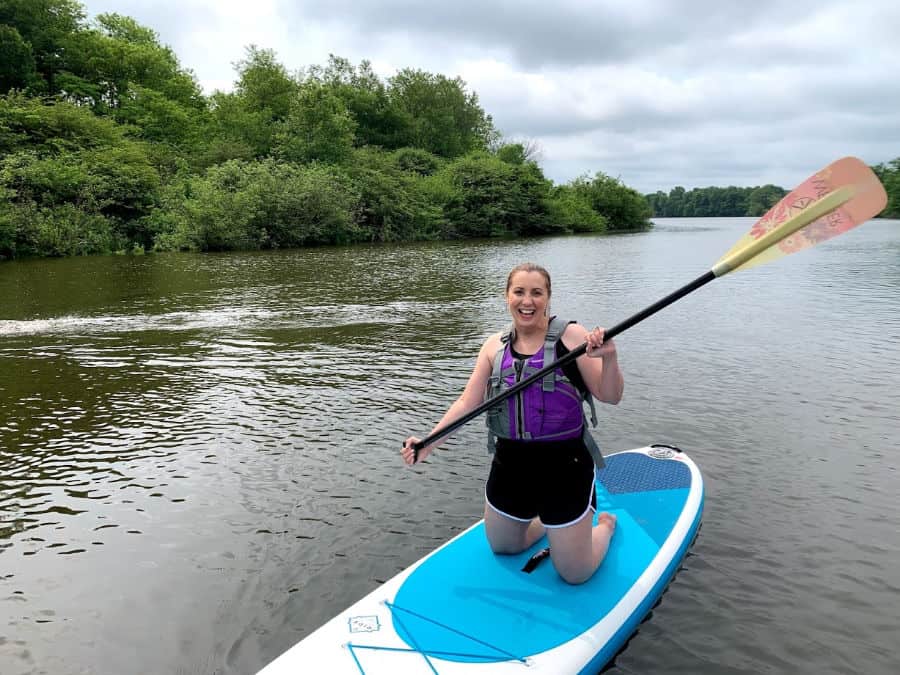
[844,194]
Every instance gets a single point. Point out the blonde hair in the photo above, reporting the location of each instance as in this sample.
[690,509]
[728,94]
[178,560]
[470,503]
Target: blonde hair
[528,267]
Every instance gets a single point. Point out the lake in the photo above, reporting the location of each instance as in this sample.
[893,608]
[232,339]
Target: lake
[199,454]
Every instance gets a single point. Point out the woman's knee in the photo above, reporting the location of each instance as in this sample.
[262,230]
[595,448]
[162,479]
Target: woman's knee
[504,535]
[575,577]
[572,568]
[504,548]
[505,539]
[571,550]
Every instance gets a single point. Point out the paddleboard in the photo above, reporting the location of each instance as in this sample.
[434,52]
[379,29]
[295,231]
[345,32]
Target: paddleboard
[461,610]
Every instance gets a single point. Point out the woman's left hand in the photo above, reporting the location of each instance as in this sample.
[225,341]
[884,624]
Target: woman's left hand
[597,347]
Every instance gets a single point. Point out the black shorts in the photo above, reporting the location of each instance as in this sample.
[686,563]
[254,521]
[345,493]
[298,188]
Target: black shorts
[553,481]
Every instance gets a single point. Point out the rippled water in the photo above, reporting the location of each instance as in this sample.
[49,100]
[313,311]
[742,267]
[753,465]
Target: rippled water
[199,453]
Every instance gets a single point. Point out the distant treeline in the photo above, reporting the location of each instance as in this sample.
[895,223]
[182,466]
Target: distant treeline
[715,201]
[735,201]
[108,144]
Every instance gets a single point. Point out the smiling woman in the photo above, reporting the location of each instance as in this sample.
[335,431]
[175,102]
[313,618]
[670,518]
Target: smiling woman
[543,449]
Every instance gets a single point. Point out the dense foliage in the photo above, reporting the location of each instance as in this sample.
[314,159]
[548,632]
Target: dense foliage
[108,144]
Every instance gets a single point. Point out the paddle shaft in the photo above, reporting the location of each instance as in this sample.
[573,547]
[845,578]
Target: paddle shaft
[608,334]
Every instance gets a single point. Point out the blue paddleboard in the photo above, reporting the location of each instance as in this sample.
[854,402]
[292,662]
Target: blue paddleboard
[462,609]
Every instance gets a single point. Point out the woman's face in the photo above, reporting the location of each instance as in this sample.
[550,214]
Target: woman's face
[527,298]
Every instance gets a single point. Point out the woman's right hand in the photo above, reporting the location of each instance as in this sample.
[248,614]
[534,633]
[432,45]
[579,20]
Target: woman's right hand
[409,455]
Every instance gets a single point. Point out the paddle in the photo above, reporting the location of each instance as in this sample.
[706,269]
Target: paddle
[841,196]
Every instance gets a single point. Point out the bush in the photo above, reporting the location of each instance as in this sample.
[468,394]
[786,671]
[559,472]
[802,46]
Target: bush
[493,198]
[117,183]
[395,205]
[254,205]
[570,211]
[61,230]
[417,161]
[50,127]
[623,207]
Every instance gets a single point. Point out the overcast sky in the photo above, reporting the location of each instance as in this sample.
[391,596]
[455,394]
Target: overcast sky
[656,92]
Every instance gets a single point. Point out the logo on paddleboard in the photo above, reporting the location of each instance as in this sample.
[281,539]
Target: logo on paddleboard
[661,452]
[364,624]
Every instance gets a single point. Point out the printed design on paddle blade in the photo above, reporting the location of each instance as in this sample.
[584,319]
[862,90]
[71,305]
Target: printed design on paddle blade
[868,199]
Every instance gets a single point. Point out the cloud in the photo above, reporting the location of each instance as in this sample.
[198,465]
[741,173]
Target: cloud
[658,93]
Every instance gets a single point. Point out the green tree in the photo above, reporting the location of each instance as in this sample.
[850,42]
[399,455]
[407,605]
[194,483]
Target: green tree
[147,62]
[17,69]
[677,202]
[444,118]
[264,84]
[889,174]
[28,229]
[396,204]
[250,118]
[379,121]
[124,150]
[118,182]
[512,153]
[705,202]
[50,127]
[761,199]
[318,127]
[518,152]
[46,25]
[59,159]
[234,132]
[105,63]
[417,160]
[659,203]
[155,117]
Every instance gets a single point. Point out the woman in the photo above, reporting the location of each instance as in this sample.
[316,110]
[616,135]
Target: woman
[542,475]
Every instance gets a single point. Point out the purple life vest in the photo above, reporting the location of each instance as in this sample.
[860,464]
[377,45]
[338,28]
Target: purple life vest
[547,410]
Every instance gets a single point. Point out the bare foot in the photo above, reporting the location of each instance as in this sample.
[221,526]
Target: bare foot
[607,521]
[602,534]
